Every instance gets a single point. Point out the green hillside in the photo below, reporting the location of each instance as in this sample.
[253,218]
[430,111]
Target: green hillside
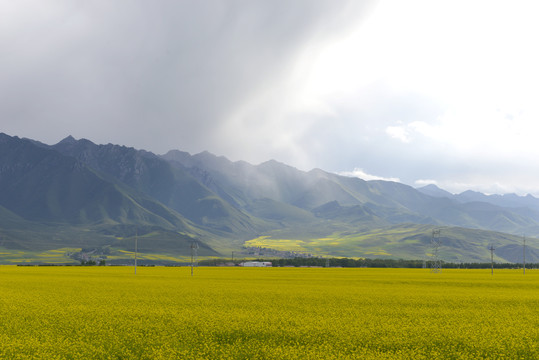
[77,197]
[404,241]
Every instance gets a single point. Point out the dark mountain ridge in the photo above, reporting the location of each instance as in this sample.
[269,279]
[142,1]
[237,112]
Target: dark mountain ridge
[151,175]
[108,191]
[43,189]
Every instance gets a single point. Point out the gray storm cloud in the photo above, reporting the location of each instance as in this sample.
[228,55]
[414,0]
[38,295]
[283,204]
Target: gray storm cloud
[388,87]
[159,75]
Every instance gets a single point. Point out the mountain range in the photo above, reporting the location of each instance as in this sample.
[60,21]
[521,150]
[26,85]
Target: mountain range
[79,195]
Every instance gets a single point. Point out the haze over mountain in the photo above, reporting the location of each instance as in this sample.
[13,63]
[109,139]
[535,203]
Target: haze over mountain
[79,194]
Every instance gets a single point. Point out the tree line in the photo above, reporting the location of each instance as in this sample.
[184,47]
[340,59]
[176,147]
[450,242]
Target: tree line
[372,263]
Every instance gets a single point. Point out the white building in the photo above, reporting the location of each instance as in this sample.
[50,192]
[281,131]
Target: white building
[256,264]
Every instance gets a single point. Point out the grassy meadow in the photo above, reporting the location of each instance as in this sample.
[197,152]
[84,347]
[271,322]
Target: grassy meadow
[267,313]
[403,241]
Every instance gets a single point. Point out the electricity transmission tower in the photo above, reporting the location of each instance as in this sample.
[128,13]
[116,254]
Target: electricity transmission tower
[194,256]
[435,244]
[524,255]
[491,248]
[136,249]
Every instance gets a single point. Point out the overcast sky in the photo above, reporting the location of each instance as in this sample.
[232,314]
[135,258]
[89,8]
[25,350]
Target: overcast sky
[419,92]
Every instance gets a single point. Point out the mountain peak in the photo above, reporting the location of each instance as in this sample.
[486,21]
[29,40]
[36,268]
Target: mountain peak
[431,186]
[471,192]
[207,156]
[433,190]
[274,164]
[68,140]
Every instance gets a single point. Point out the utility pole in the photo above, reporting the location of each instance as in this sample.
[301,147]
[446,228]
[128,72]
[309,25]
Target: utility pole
[232,257]
[435,246]
[194,247]
[524,255]
[491,248]
[136,250]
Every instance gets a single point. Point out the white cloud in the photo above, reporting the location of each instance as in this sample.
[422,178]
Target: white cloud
[399,132]
[359,173]
[425,182]
[408,132]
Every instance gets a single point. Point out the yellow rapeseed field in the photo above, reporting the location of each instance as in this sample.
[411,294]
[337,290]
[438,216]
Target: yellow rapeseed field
[267,313]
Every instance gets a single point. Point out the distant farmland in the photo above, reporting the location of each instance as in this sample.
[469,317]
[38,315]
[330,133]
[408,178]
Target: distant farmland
[267,313]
